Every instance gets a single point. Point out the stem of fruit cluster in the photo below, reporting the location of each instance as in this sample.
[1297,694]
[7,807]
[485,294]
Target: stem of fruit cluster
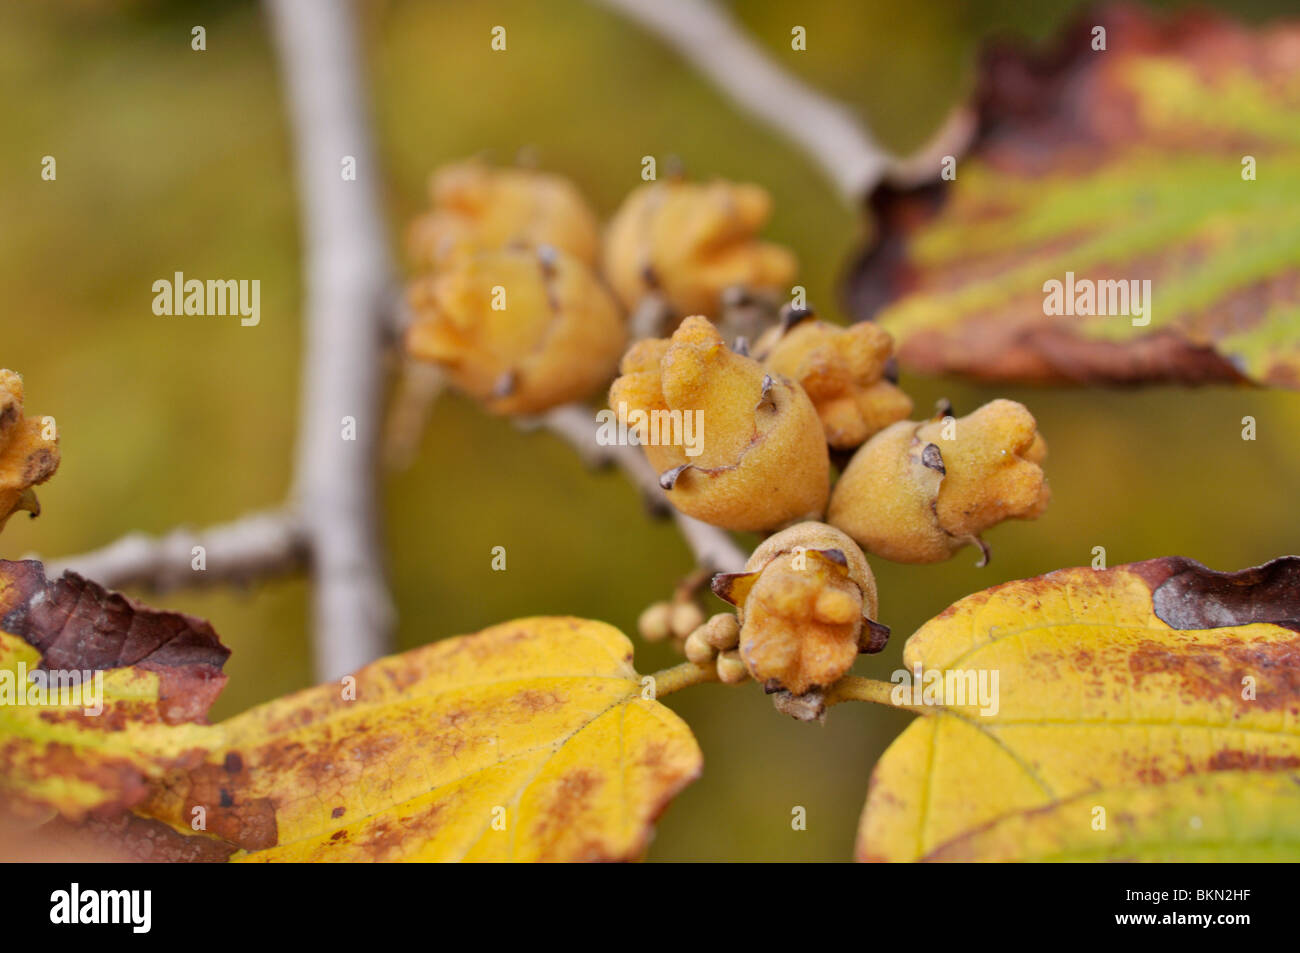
[855,688]
[677,677]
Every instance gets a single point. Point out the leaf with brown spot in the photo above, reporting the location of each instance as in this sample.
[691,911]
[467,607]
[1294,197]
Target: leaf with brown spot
[526,741]
[1163,692]
[1124,164]
[96,750]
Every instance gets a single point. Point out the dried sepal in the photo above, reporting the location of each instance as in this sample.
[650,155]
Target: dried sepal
[755,459]
[29,450]
[479,208]
[803,603]
[522,330]
[918,492]
[690,242]
[843,371]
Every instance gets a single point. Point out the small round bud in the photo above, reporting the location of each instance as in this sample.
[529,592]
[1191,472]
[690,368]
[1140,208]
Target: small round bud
[655,622]
[686,618]
[722,631]
[697,649]
[731,667]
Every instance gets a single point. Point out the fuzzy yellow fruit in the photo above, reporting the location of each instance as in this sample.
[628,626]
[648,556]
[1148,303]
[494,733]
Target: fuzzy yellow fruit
[759,460]
[521,330]
[804,603]
[478,208]
[689,242]
[918,492]
[29,450]
[842,369]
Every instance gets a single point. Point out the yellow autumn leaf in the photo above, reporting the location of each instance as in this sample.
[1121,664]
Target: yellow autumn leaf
[531,740]
[1156,691]
[1227,816]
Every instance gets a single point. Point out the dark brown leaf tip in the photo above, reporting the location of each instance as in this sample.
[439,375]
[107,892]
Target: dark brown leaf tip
[1187,595]
[723,585]
[76,623]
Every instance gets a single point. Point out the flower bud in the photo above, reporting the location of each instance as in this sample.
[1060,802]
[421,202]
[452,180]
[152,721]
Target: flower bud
[689,242]
[918,492]
[522,330]
[27,457]
[477,208]
[731,667]
[654,623]
[759,460]
[805,603]
[842,369]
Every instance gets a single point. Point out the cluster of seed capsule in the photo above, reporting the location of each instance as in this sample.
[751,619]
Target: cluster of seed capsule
[775,413]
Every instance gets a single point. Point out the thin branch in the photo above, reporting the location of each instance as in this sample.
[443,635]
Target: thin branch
[827,131]
[252,547]
[855,688]
[577,426]
[348,281]
[684,675]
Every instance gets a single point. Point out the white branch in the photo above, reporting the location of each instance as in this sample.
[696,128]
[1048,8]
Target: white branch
[348,274]
[252,547]
[826,130]
[576,424]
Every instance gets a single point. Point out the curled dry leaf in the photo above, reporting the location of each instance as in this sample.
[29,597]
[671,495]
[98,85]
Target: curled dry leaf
[1144,712]
[689,242]
[735,446]
[532,740]
[1171,157]
[29,450]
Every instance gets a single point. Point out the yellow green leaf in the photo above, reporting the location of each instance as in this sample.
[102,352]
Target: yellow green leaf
[1171,157]
[1129,689]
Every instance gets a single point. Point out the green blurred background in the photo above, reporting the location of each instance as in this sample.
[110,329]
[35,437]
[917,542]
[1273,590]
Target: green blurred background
[170,159]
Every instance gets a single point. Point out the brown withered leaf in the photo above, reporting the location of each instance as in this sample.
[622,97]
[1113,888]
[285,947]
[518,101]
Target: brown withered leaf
[136,707]
[1125,164]
[1145,712]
